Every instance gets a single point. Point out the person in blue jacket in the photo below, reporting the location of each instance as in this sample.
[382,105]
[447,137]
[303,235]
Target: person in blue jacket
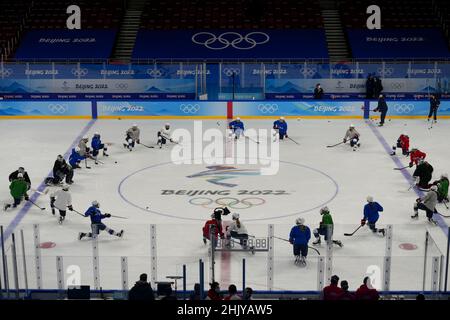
[97,145]
[237,127]
[371,215]
[96,222]
[75,158]
[299,238]
[281,126]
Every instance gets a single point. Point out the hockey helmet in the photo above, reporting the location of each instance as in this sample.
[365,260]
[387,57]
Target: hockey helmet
[300,221]
[444,175]
[167,126]
[135,125]
[352,126]
[95,203]
[77,149]
[235,216]
[282,118]
[19,176]
[96,134]
[324,210]
[434,188]
[65,187]
[369,199]
[239,119]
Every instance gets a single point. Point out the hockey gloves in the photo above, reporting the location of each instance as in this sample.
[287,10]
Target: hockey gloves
[70,208]
[363,222]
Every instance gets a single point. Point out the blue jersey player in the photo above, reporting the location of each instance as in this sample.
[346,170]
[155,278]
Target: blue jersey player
[97,145]
[281,126]
[371,215]
[236,127]
[96,222]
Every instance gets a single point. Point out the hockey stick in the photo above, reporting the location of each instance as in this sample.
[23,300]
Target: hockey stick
[37,191]
[312,248]
[293,140]
[334,145]
[79,213]
[150,147]
[85,163]
[255,141]
[445,204]
[113,216]
[350,234]
[442,215]
[406,167]
[36,204]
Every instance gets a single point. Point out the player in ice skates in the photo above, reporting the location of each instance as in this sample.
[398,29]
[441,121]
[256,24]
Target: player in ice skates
[75,158]
[428,204]
[21,170]
[325,229]
[281,126]
[132,137]
[84,149]
[442,185]
[96,222]
[61,200]
[434,106]
[18,190]
[403,143]
[371,215]
[61,170]
[353,136]
[97,145]
[299,238]
[164,135]
[212,227]
[416,155]
[237,230]
[382,107]
[422,175]
[237,128]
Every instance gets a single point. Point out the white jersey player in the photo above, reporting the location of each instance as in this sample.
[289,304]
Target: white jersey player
[353,136]
[164,135]
[61,200]
[132,137]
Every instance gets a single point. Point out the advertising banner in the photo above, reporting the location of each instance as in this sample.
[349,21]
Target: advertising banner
[46,109]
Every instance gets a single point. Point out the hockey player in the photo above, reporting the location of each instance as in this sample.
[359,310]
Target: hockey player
[132,137]
[75,158]
[403,143]
[96,222]
[382,107]
[325,228]
[237,230]
[371,215]
[428,204]
[18,190]
[281,126]
[61,200]
[434,106]
[416,155]
[299,238]
[212,226]
[62,169]
[423,174]
[84,149]
[442,185]
[236,127]
[97,145]
[218,213]
[353,136]
[14,175]
[164,135]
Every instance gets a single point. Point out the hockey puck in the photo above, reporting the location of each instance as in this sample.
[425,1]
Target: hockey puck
[115,161]
[146,208]
[119,118]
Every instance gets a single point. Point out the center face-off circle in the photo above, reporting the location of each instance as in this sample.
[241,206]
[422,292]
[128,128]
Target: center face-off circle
[191,192]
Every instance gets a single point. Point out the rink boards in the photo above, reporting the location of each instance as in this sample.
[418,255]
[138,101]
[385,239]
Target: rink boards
[169,109]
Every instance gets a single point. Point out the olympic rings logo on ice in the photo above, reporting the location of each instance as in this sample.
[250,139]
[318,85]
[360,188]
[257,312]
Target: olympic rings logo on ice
[58,108]
[230,71]
[267,107]
[309,72]
[386,71]
[155,73]
[189,108]
[5,73]
[121,86]
[403,107]
[238,41]
[230,202]
[80,72]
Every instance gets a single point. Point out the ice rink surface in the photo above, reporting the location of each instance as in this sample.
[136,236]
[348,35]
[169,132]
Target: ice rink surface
[142,187]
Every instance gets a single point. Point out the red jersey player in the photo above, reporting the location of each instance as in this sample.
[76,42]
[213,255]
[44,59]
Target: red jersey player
[416,155]
[212,226]
[402,142]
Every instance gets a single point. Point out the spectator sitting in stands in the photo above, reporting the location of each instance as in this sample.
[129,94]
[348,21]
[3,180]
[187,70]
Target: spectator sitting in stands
[248,294]
[318,92]
[365,292]
[169,295]
[332,292]
[142,290]
[196,295]
[232,293]
[213,292]
[346,295]
[420,297]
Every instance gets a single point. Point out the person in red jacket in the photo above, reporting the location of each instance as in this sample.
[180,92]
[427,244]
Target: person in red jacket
[415,156]
[332,292]
[214,292]
[212,226]
[366,293]
[403,143]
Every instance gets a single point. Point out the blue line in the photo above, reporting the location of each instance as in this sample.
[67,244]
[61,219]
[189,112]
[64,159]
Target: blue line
[405,173]
[24,210]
